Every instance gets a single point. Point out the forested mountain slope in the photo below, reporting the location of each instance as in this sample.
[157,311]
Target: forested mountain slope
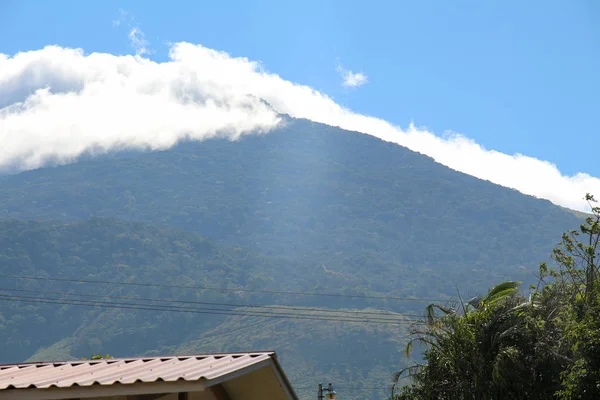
[393,218]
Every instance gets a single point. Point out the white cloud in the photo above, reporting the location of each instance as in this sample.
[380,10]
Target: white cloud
[122,16]
[352,79]
[138,42]
[56,103]
[137,38]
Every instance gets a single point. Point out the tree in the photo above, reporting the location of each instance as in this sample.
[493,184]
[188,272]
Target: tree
[506,346]
[578,281]
[474,351]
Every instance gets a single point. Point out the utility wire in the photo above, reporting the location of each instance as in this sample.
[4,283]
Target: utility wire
[220,310]
[133,306]
[375,313]
[221,289]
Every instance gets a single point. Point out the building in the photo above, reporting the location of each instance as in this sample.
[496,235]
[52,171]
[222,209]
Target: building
[227,376]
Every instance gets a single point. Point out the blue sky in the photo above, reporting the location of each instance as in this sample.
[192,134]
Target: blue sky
[517,77]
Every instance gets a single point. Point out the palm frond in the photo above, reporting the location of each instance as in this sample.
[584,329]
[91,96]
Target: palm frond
[501,292]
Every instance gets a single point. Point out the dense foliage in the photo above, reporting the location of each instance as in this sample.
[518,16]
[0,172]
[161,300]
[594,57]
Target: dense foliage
[506,346]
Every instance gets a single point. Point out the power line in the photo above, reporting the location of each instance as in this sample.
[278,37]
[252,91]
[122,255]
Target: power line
[166,309]
[221,289]
[220,310]
[147,307]
[375,313]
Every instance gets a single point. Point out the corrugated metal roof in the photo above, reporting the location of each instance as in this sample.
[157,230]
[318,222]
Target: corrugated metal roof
[126,371]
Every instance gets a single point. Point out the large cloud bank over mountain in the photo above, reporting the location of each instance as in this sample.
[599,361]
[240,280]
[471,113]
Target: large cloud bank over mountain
[58,103]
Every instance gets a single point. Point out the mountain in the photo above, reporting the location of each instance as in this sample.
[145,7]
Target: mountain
[315,208]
